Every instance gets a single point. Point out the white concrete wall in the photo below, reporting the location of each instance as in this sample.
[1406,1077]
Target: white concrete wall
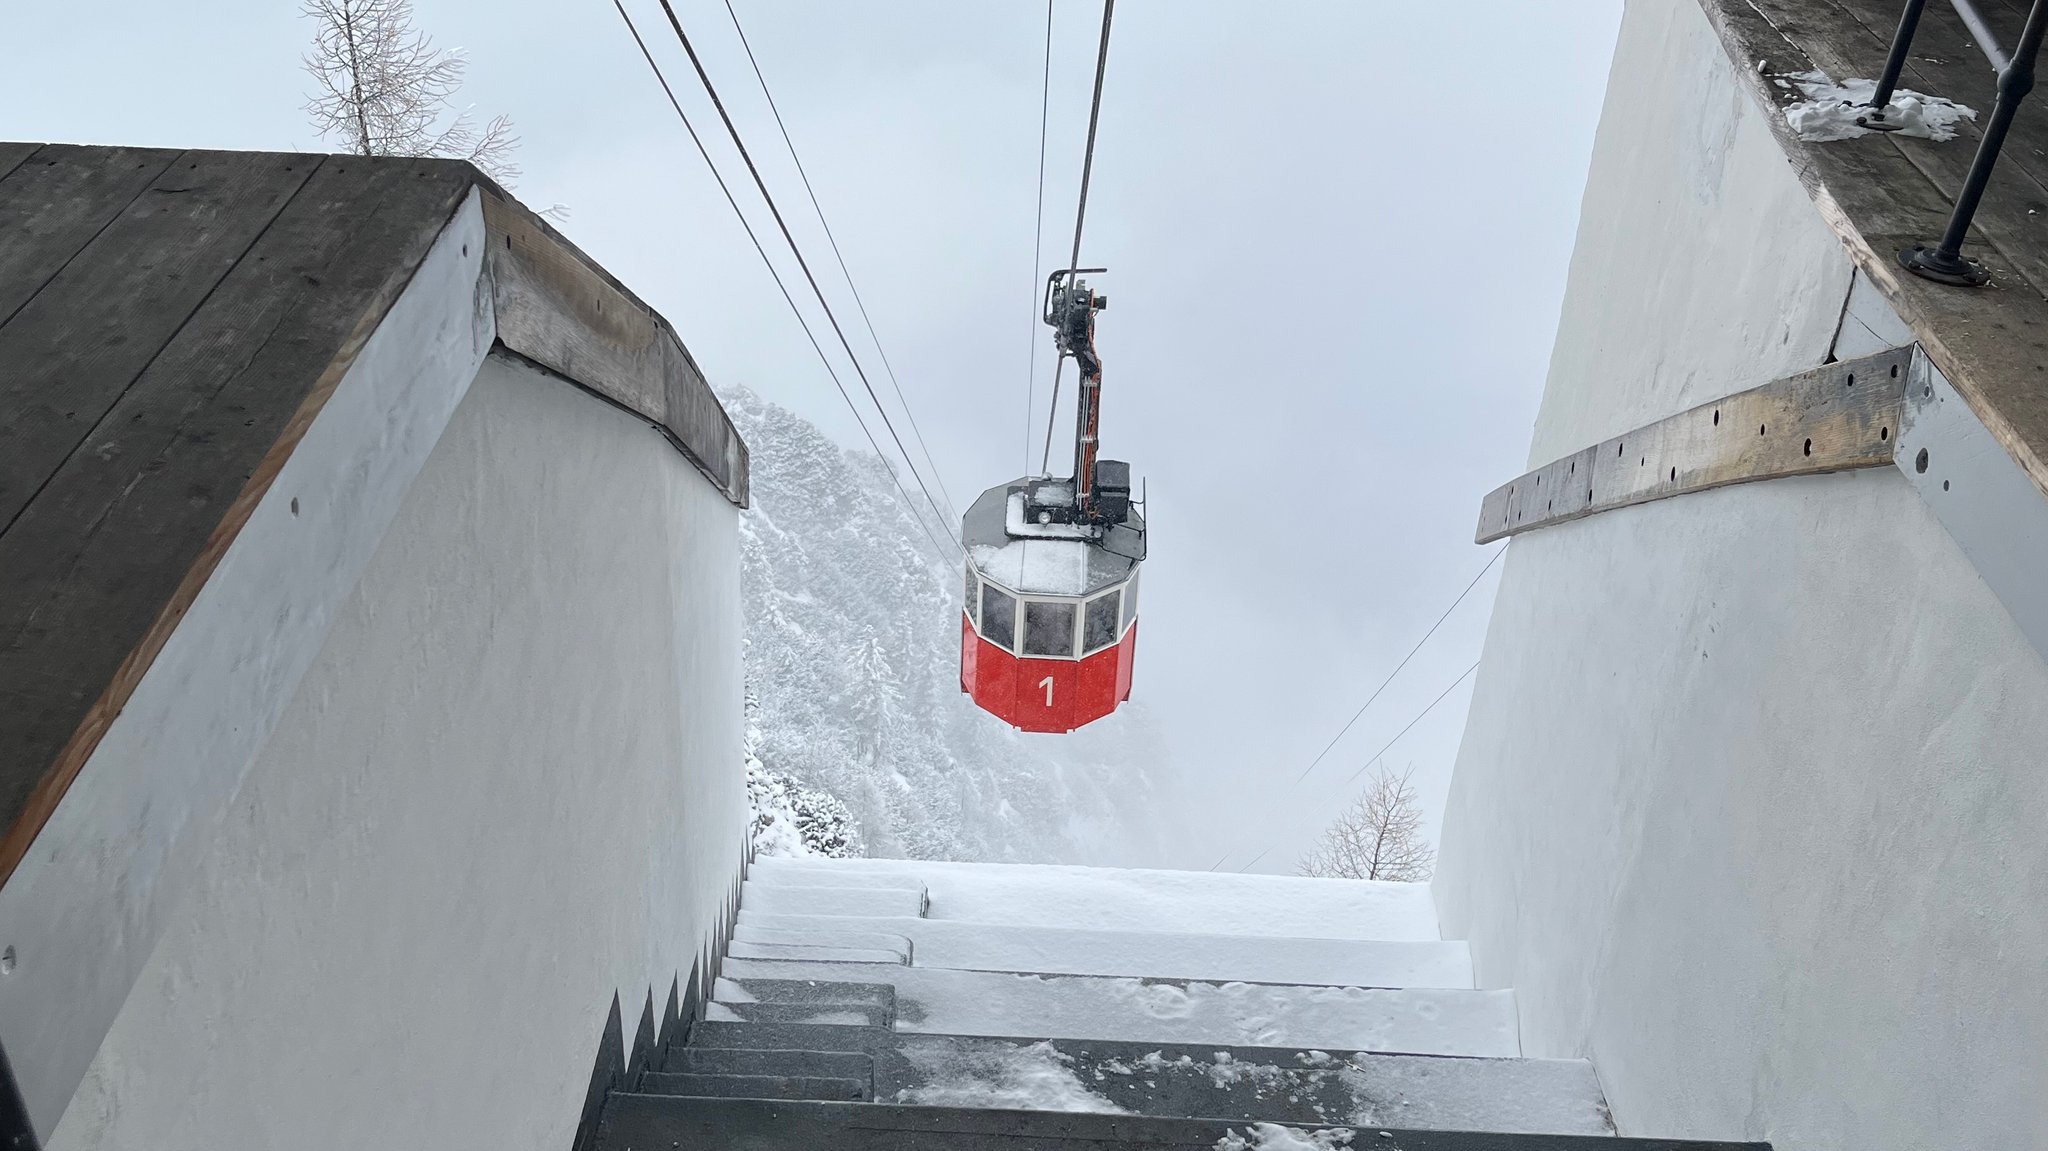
[508,787]
[1750,806]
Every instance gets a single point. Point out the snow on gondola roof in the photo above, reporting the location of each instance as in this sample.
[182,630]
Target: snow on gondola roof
[1046,559]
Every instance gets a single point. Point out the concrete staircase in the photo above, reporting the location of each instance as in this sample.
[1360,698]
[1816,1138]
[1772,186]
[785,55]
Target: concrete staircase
[899,1005]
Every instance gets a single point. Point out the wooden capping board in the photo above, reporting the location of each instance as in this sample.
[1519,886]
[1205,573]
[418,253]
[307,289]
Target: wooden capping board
[556,307]
[1835,417]
[1881,194]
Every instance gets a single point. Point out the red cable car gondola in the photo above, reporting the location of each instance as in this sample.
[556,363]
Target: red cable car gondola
[1051,620]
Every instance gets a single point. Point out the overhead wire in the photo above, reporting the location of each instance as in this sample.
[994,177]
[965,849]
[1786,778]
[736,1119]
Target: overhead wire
[775,275]
[796,250]
[1038,237]
[1397,667]
[916,432]
[1081,211]
[1462,677]
[1376,693]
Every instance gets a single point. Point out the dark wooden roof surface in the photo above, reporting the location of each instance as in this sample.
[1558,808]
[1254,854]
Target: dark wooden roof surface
[1884,193]
[170,323]
[165,319]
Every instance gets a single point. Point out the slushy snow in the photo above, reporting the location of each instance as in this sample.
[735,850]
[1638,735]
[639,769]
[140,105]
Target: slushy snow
[1829,110]
[1036,1077]
[1274,1137]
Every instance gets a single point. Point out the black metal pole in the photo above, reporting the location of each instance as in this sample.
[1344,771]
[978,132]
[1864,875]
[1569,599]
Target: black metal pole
[1944,262]
[1902,43]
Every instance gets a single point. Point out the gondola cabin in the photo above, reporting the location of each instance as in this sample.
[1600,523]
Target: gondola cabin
[1051,621]
[1050,625]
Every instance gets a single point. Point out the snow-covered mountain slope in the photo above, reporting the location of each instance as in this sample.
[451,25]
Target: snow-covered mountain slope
[852,629]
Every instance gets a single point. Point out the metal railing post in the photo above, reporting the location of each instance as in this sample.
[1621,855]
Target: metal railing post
[1902,42]
[1944,262]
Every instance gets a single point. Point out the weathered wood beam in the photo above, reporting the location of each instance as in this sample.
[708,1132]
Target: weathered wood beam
[556,307]
[1833,418]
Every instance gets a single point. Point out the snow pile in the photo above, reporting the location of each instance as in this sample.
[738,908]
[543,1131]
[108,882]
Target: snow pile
[1274,1137]
[852,622]
[1829,110]
[1047,566]
[1033,1078]
[1227,1069]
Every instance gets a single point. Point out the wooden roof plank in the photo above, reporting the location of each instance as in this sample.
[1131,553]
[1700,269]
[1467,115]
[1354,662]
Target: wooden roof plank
[52,207]
[1945,63]
[76,346]
[1990,343]
[165,481]
[13,152]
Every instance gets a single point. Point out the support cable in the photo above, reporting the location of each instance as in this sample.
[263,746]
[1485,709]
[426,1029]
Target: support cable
[1038,239]
[1356,715]
[916,432]
[731,130]
[1081,211]
[1397,667]
[910,501]
[1376,756]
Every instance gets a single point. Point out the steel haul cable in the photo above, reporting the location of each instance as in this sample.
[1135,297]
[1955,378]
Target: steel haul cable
[1038,236]
[777,277]
[731,130]
[890,369]
[1081,211]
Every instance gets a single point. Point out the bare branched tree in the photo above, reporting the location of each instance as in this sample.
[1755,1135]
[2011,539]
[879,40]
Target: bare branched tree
[1378,837]
[384,89]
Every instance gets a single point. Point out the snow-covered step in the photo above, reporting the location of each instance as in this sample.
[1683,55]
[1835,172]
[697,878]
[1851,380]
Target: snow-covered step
[1428,1021]
[788,899]
[1558,1096]
[1118,899]
[825,931]
[1163,955]
[811,1014]
[774,870]
[1555,1096]
[816,953]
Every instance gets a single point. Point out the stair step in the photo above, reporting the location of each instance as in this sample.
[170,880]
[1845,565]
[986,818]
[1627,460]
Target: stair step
[816,953]
[1416,1091]
[1121,899]
[1556,1096]
[817,1014]
[823,931]
[772,871]
[731,1035]
[753,1086]
[650,1121]
[826,900]
[1425,1021]
[805,991]
[772,1061]
[1169,955]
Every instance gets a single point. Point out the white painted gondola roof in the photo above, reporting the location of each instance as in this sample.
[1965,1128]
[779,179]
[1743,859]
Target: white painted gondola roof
[1039,559]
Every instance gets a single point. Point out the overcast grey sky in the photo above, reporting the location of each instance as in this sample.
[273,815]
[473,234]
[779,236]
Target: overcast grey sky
[1338,235]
